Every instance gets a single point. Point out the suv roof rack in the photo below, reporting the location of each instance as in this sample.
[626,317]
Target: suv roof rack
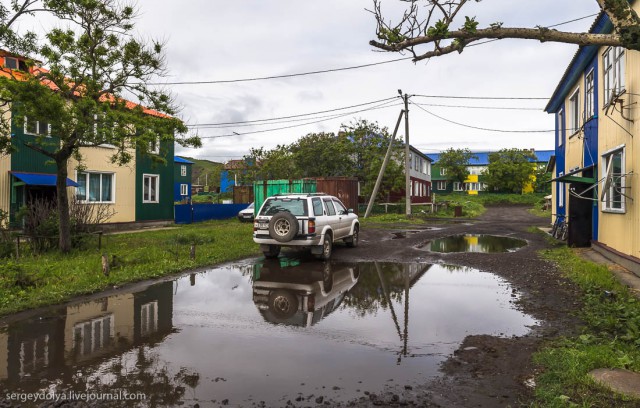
[305,194]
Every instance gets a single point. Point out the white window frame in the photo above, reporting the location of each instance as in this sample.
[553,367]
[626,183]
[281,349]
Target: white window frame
[574,111]
[148,318]
[442,185]
[184,189]
[613,61]
[96,342]
[619,182]
[157,198]
[113,186]
[443,171]
[560,119]
[458,186]
[183,170]
[561,191]
[154,146]
[38,130]
[589,95]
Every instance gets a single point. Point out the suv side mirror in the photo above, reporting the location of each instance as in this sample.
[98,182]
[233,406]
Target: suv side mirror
[350,211]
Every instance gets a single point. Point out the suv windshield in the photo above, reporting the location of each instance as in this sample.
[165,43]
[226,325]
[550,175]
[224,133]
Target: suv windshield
[296,206]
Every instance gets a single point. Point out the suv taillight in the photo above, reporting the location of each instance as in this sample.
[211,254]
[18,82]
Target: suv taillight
[312,227]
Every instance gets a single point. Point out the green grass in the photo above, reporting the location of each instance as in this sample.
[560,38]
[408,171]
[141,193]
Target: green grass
[610,339]
[53,277]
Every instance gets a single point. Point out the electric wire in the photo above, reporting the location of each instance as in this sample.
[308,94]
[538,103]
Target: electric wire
[384,105]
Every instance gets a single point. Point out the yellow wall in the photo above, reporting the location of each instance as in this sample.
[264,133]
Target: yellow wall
[5,182]
[121,306]
[99,159]
[4,355]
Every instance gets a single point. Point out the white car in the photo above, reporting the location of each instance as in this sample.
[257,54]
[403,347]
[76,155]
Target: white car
[311,220]
[246,214]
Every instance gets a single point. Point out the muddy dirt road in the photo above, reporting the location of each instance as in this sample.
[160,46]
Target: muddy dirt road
[485,371]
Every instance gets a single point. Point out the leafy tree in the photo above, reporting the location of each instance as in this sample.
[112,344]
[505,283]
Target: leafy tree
[369,143]
[92,65]
[437,26]
[510,170]
[273,164]
[455,162]
[9,39]
[323,155]
[543,178]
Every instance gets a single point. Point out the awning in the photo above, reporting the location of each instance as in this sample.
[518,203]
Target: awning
[40,179]
[570,178]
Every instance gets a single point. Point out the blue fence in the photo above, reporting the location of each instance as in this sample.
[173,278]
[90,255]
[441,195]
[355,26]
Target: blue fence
[188,213]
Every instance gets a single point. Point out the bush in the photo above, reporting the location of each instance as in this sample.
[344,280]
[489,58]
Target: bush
[7,246]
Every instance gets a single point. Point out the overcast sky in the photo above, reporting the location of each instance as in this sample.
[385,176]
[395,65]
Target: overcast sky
[212,40]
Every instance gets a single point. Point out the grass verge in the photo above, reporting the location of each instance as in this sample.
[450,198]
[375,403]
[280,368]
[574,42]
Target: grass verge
[53,277]
[610,339]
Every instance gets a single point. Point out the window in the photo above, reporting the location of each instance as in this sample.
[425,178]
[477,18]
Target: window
[457,186]
[295,206]
[339,207]
[95,187]
[184,189]
[150,187]
[613,198]
[93,335]
[589,97]
[560,191]
[443,171]
[329,205]
[613,60]
[149,318]
[154,146]
[183,170]
[442,185]
[36,127]
[560,127]
[473,186]
[11,63]
[317,207]
[574,111]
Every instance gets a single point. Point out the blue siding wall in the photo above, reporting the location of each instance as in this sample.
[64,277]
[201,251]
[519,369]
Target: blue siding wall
[560,157]
[176,192]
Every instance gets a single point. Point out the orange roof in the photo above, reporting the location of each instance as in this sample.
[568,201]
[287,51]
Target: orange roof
[20,75]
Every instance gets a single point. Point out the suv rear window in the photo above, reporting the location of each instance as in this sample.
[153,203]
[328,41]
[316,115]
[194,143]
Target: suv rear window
[295,206]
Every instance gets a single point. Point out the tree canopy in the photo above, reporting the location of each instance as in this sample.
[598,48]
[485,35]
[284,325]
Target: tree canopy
[92,68]
[510,170]
[455,162]
[430,28]
[356,151]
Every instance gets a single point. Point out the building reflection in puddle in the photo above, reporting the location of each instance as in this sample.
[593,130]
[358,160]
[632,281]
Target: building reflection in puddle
[277,325]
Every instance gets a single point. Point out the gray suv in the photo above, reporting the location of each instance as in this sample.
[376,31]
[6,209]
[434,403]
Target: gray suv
[314,221]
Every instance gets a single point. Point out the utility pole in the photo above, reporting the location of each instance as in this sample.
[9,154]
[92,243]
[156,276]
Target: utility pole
[383,168]
[407,152]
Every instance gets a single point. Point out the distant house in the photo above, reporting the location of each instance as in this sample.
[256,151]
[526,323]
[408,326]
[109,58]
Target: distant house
[182,179]
[420,176]
[474,184]
[231,174]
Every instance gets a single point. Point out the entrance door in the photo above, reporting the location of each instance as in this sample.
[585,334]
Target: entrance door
[580,213]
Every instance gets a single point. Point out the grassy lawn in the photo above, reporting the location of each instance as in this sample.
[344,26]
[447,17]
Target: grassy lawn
[52,277]
[610,339]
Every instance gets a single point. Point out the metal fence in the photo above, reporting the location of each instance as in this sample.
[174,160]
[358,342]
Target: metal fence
[190,213]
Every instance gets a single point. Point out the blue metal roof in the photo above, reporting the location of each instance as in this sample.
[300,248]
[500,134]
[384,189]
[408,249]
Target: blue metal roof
[177,159]
[482,158]
[576,67]
[41,179]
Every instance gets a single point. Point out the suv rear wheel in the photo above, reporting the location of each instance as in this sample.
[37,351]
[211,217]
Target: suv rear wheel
[352,241]
[327,247]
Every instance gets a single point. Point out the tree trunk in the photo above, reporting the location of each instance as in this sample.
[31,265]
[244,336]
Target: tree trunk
[64,229]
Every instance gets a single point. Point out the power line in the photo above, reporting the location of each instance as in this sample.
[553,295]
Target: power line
[292,116]
[323,71]
[482,97]
[478,107]
[385,105]
[481,128]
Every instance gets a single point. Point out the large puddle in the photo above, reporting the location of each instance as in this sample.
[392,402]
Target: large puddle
[272,331]
[474,243]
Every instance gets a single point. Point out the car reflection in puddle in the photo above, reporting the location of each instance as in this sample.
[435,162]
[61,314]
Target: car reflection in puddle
[294,296]
[262,331]
[474,243]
